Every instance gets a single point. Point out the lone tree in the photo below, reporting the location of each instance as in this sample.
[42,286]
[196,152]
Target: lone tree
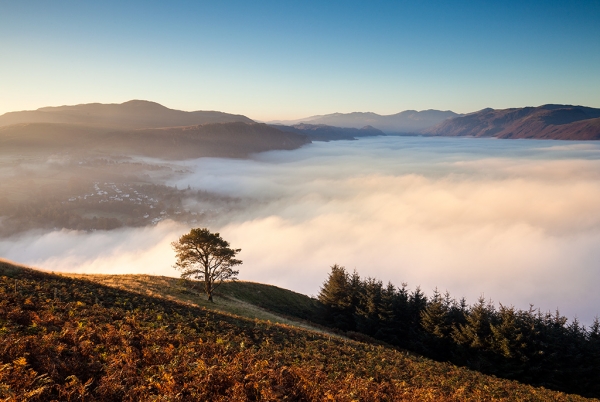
[205,256]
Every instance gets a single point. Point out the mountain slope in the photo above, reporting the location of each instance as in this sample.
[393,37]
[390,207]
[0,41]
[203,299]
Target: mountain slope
[128,115]
[409,121]
[558,122]
[69,339]
[235,140]
[322,132]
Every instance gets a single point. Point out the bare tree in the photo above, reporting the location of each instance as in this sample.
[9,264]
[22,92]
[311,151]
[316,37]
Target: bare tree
[205,256]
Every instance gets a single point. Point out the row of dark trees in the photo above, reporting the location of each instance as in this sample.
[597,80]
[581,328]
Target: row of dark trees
[541,349]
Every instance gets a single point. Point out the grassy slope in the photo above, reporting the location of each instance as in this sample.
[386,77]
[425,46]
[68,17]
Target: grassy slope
[246,299]
[72,339]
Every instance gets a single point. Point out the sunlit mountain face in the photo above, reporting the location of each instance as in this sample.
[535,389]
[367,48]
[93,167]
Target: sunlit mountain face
[515,221]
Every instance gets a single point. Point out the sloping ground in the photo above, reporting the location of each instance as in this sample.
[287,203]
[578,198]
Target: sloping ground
[272,298]
[72,339]
[246,299]
[558,122]
[235,140]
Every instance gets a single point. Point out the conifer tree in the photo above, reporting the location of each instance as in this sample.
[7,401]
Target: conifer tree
[417,302]
[434,316]
[475,332]
[387,318]
[401,309]
[367,312]
[506,338]
[473,337]
[435,321]
[336,297]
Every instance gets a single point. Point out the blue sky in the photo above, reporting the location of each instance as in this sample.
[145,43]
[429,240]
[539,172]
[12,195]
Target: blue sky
[291,59]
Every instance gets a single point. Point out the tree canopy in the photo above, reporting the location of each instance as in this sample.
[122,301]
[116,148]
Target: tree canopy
[205,256]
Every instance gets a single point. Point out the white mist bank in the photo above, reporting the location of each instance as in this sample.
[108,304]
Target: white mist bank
[516,221]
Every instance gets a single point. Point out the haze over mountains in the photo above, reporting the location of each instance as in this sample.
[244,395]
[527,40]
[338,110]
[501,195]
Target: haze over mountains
[559,122]
[139,128]
[408,121]
[150,129]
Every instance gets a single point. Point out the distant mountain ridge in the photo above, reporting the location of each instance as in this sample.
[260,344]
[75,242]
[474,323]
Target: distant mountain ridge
[322,132]
[134,114]
[552,121]
[406,122]
[557,122]
[140,127]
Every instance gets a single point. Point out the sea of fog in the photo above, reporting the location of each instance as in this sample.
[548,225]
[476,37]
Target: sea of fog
[517,221]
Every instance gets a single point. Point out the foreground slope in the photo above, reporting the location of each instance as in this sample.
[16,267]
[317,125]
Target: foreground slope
[70,339]
[247,299]
[556,122]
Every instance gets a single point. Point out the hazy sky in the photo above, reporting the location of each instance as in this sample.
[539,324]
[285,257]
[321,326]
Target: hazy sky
[284,59]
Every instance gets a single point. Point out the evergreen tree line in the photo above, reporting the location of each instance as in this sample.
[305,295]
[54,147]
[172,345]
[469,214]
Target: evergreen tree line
[541,349]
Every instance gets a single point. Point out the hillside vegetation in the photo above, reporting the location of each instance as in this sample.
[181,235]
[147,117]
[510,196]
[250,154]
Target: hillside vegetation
[73,339]
[246,299]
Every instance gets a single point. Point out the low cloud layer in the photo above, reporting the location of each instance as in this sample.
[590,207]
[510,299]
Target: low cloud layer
[516,221]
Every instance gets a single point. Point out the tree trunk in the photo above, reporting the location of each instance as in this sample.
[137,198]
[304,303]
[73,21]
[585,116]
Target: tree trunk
[208,288]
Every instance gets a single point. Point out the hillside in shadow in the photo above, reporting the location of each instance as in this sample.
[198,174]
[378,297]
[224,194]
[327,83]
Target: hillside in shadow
[556,122]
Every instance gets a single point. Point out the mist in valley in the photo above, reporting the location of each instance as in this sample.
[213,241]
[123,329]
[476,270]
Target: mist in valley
[515,221]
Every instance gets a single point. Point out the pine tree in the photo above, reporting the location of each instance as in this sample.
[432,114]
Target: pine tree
[435,321]
[507,339]
[474,335]
[336,297]
[387,319]
[476,331]
[434,318]
[417,302]
[368,311]
[401,311]
[508,342]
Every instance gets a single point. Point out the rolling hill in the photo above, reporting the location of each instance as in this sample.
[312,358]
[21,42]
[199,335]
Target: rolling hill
[557,122]
[235,140]
[134,114]
[139,128]
[74,339]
